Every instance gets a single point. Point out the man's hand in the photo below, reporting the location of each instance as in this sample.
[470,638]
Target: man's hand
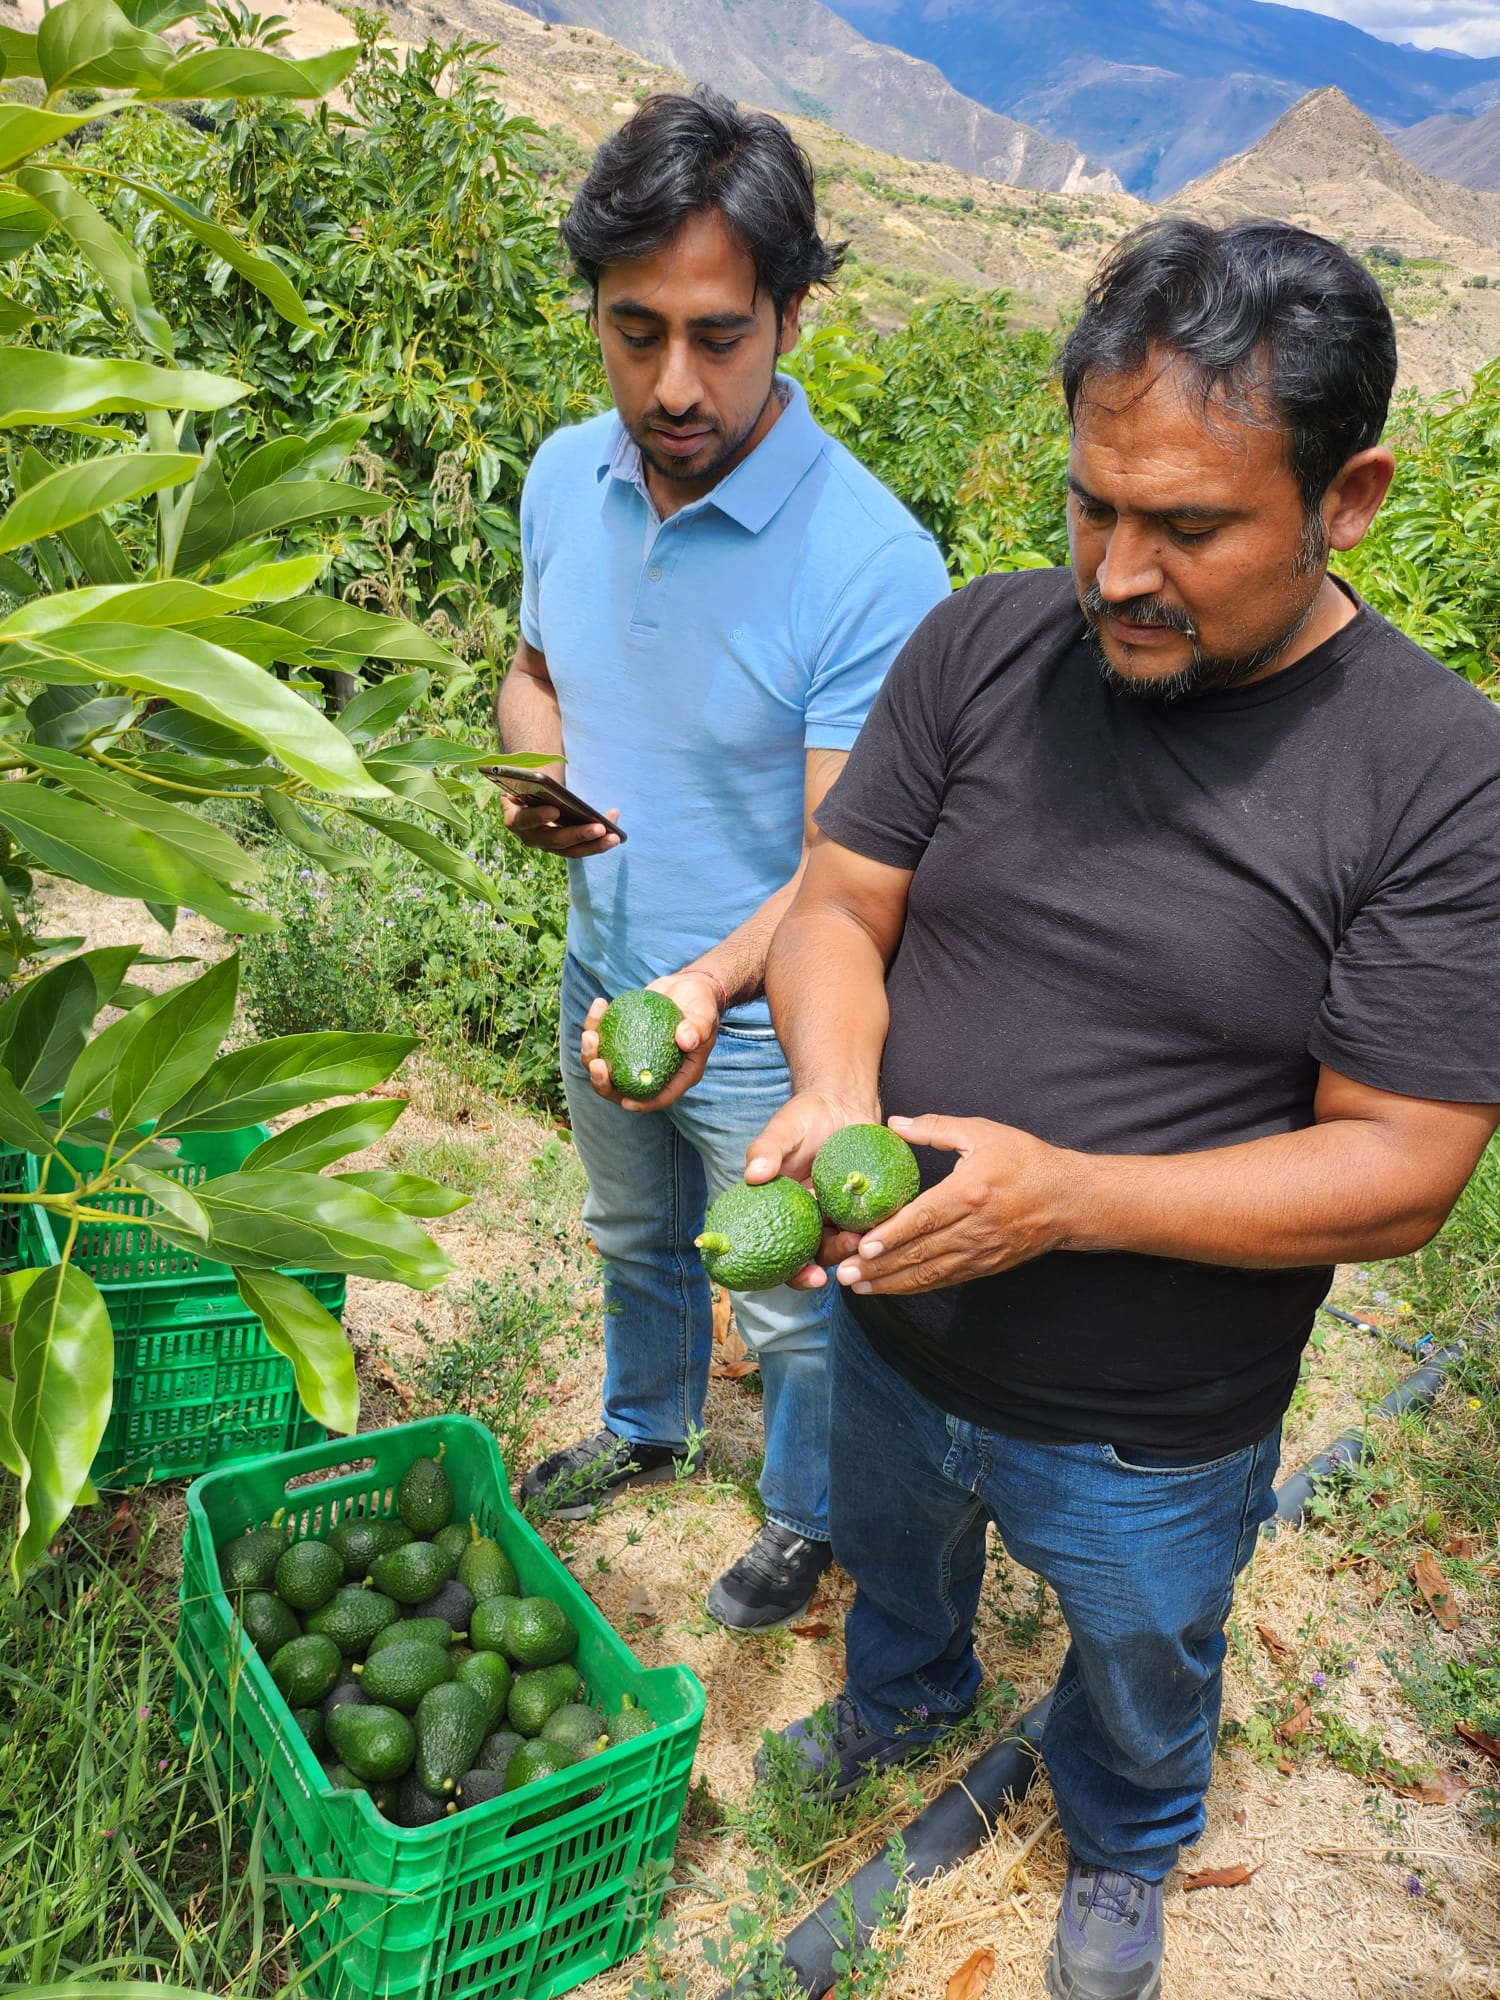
[788,1145]
[538,826]
[697,994]
[1002,1205]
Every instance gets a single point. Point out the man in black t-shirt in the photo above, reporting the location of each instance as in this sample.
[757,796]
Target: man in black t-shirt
[1160,903]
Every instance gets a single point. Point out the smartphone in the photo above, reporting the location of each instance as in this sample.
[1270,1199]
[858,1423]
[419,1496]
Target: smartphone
[534,788]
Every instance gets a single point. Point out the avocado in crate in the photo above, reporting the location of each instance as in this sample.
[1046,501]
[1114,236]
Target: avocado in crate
[477,1873]
[196,1382]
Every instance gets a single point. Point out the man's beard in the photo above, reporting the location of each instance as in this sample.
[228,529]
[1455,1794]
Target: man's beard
[1201,673]
[720,449]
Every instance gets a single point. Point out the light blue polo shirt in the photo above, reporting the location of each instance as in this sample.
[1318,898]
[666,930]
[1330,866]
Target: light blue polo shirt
[697,659]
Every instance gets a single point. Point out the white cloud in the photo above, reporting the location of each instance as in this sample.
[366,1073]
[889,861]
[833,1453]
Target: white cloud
[1470,26]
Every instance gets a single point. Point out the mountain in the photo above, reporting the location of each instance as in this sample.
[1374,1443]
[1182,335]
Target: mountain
[799,56]
[1434,245]
[1460,147]
[1161,90]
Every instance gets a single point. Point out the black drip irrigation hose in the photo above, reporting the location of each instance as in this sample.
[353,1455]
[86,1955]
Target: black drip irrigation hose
[1418,1392]
[957,1822]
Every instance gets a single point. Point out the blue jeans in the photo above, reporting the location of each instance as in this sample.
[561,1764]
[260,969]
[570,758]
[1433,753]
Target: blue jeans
[651,1175]
[1142,1560]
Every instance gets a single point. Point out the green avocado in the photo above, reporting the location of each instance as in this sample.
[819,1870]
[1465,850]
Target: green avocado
[305,1669]
[864,1173]
[477,1787]
[638,1040]
[360,1541]
[489,1675]
[450,1728]
[485,1570]
[536,1697]
[249,1562]
[377,1743]
[400,1675]
[269,1623]
[308,1575]
[353,1619]
[756,1237]
[536,1760]
[412,1573]
[538,1632]
[576,1726]
[487,1625]
[631,1721]
[436,1631]
[424,1499]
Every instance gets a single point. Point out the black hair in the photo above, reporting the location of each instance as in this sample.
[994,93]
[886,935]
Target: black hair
[1270,319]
[682,153]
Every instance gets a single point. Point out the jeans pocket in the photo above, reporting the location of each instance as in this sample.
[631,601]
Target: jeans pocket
[1113,1458]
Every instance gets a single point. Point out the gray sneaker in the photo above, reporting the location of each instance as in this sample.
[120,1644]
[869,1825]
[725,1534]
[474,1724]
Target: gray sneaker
[1109,1937]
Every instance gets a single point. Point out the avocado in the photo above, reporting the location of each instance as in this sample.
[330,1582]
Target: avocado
[486,1570]
[632,1721]
[310,1722]
[862,1174]
[450,1728]
[249,1562]
[305,1669]
[488,1621]
[354,1618]
[756,1237]
[453,1539]
[416,1806]
[308,1575]
[435,1631]
[490,1678]
[536,1760]
[479,1786]
[497,1749]
[576,1726]
[411,1573]
[539,1633]
[424,1499]
[535,1697]
[377,1743]
[451,1601]
[360,1541]
[401,1675]
[268,1622]
[342,1778]
[638,1040]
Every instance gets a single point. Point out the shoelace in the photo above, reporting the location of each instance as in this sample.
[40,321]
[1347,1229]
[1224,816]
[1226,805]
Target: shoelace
[1113,1897]
[587,1450]
[847,1723]
[771,1555]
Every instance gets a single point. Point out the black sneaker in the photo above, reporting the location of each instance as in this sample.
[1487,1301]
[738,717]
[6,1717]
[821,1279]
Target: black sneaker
[1109,1937]
[573,1482]
[774,1581]
[837,1751]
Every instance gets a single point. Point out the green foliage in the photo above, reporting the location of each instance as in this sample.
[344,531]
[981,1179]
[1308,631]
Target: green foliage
[1429,562]
[388,947]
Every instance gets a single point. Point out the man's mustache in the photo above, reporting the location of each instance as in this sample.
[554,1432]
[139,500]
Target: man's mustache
[1137,611]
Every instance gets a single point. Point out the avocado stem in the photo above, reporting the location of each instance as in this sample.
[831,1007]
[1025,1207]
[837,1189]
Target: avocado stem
[856,1183]
[712,1242]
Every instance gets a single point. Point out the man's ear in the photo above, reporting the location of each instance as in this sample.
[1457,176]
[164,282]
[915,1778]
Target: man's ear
[791,322]
[1353,500]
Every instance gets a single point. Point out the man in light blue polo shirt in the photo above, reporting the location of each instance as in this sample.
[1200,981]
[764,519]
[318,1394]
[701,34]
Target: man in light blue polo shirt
[713,591]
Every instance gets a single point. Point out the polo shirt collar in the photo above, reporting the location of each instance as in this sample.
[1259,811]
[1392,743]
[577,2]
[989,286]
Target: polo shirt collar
[759,485]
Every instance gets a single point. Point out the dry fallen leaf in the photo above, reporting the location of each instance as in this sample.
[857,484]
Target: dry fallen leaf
[1487,1746]
[1443,1788]
[1461,1546]
[1429,1579]
[1296,1724]
[386,1375]
[815,1630]
[971,1977]
[1274,1644]
[638,1605]
[1219,1878]
[732,1371]
[1239,1816]
[122,1522]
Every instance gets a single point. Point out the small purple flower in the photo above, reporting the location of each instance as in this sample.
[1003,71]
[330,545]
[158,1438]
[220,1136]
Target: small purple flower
[161,1764]
[1320,1680]
[1414,1886]
[1381,1298]
[921,1711]
[144,1713]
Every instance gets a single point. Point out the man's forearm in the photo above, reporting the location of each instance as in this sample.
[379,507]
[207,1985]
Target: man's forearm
[825,980]
[527,715]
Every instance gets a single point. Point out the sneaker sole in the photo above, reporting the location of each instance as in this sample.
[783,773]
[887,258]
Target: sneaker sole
[1073,1991]
[580,1510]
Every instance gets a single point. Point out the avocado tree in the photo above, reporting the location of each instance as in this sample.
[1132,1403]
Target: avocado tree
[163,645]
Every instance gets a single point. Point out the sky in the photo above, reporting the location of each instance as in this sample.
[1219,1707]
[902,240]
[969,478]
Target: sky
[1470,26]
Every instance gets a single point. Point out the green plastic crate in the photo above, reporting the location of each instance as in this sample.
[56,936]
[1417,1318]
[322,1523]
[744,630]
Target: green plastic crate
[12,1179]
[477,1905]
[196,1382]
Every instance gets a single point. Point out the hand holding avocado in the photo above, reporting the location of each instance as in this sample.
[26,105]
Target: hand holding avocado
[637,1054]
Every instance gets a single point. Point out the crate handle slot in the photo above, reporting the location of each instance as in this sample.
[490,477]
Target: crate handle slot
[338,1469]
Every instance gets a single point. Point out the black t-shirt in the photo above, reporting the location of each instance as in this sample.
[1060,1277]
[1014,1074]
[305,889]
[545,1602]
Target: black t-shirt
[1141,928]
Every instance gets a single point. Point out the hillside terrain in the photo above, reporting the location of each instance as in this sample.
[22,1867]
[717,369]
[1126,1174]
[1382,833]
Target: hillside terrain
[1328,167]
[799,56]
[1161,90]
[1457,145]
